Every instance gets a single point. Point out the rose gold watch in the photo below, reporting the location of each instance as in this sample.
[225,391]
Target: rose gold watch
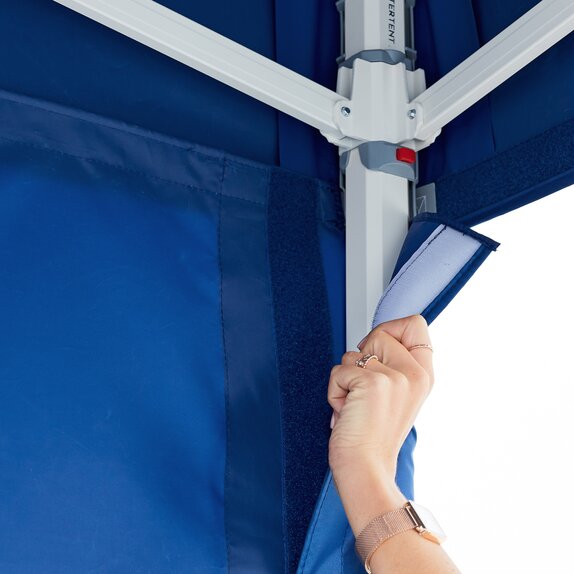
[407,517]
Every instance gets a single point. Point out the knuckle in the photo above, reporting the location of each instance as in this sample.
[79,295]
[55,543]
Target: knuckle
[421,378]
[379,331]
[371,376]
[349,358]
[399,378]
[377,336]
[418,321]
[421,384]
[375,380]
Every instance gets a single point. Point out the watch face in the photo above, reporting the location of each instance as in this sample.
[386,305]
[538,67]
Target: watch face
[430,527]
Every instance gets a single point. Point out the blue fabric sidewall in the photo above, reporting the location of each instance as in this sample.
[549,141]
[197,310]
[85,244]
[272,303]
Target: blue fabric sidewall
[177,254]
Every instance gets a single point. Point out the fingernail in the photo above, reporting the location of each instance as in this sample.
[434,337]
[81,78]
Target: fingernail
[361,342]
[332,420]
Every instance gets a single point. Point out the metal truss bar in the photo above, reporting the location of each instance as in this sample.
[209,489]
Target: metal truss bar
[210,53]
[530,36]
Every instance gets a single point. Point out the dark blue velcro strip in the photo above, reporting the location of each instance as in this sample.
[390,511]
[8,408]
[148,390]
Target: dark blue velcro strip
[524,173]
[304,348]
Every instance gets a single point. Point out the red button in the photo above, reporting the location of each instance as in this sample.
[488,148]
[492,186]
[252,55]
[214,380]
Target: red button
[406,154]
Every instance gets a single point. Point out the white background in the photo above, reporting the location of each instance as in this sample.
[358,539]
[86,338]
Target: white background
[494,455]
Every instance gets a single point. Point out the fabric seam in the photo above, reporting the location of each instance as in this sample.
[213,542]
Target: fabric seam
[99,121]
[225,367]
[132,171]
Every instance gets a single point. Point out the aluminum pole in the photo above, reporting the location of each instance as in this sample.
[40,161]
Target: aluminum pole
[376,203]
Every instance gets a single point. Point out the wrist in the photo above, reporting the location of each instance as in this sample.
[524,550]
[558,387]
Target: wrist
[345,464]
[367,491]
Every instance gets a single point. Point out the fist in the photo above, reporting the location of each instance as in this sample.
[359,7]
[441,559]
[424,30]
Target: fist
[375,407]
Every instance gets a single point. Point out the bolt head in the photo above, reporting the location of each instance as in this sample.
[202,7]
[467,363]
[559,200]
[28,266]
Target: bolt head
[345,111]
[412,114]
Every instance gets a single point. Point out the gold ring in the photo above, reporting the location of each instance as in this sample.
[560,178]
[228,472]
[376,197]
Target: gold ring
[429,347]
[363,361]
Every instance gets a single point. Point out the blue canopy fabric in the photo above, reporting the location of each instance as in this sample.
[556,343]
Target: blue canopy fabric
[172,254]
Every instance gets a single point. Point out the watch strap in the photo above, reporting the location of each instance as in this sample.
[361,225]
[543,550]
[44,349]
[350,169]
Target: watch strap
[381,529]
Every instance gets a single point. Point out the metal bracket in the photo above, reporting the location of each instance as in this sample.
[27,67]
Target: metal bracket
[375,98]
[425,199]
[384,156]
[378,79]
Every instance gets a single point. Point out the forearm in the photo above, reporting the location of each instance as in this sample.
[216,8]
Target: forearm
[370,493]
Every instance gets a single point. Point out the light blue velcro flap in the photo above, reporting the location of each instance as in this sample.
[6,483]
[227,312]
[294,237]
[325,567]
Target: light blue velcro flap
[435,271]
[437,260]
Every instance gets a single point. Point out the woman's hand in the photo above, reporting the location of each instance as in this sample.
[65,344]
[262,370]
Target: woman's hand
[375,407]
[374,410]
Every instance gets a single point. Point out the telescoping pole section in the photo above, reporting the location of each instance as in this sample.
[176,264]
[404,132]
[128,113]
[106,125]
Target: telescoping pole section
[376,203]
